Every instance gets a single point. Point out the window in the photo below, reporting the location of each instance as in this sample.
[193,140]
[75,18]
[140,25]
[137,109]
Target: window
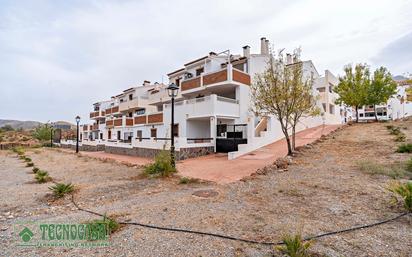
[199,71]
[121,100]
[153,132]
[101,135]
[321,89]
[331,109]
[109,134]
[330,89]
[160,108]
[324,107]
[139,135]
[140,111]
[118,135]
[130,114]
[130,97]
[361,115]
[176,130]
[178,82]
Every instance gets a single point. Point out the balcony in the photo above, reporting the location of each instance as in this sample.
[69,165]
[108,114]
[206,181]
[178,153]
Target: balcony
[224,76]
[148,119]
[85,127]
[95,126]
[97,114]
[155,118]
[122,122]
[112,110]
[136,103]
[109,123]
[118,122]
[207,106]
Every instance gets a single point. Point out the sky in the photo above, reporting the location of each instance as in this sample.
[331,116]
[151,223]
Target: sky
[57,58]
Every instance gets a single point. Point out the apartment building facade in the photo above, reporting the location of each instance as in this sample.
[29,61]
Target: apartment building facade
[212,110]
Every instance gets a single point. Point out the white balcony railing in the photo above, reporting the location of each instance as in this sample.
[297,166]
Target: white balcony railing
[207,106]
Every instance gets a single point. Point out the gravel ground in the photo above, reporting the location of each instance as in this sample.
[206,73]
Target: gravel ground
[322,191]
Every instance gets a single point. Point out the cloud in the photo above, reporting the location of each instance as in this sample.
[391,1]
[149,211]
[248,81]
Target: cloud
[397,55]
[59,57]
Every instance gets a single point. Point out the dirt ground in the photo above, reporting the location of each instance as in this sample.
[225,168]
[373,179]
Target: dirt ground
[322,191]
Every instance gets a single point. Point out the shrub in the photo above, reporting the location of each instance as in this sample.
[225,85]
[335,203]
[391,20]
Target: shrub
[401,137]
[404,191]
[404,148]
[161,166]
[35,169]
[29,164]
[22,157]
[389,127]
[185,180]
[19,150]
[42,176]
[27,159]
[60,189]
[42,132]
[110,224]
[294,246]
[395,131]
[408,165]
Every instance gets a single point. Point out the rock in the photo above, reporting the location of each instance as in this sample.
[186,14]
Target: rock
[283,163]
[10,217]
[206,193]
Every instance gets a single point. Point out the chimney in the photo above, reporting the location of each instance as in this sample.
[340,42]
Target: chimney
[288,59]
[246,51]
[146,83]
[264,46]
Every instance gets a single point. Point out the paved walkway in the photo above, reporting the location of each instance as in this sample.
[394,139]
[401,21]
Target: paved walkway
[218,168]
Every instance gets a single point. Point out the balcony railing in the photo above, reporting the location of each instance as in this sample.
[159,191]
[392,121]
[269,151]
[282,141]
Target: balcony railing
[117,122]
[97,114]
[112,110]
[227,74]
[109,123]
[155,118]
[207,106]
[135,103]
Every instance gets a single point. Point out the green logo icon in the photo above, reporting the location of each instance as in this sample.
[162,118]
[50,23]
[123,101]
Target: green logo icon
[26,234]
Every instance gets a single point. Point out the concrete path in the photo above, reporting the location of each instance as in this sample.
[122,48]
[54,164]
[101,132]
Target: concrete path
[218,168]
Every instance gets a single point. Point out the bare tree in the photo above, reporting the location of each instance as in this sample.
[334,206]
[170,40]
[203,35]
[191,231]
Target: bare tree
[282,91]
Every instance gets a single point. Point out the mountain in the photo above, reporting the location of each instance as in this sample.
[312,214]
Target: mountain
[399,78]
[16,124]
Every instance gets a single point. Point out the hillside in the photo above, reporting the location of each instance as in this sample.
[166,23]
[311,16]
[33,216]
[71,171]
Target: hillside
[16,124]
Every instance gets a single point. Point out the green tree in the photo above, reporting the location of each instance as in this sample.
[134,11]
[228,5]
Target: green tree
[381,88]
[352,88]
[42,132]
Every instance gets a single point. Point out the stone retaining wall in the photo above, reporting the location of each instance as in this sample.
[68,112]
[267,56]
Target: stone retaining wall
[184,153]
[86,148]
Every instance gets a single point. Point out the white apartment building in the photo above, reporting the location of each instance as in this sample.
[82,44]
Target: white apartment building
[212,110]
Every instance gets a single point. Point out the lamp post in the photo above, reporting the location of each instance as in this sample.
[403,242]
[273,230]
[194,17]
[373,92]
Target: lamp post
[51,135]
[172,91]
[77,133]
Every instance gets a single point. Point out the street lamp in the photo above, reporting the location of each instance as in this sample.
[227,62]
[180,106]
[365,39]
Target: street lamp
[77,133]
[51,135]
[172,91]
